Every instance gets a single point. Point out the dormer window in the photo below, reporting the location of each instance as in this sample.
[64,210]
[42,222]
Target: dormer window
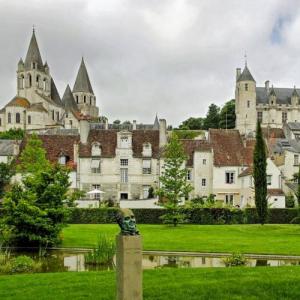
[147,150]
[124,142]
[62,160]
[96,149]
[33,65]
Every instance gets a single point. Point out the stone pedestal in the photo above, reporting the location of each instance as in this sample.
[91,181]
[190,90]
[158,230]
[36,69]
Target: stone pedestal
[129,267]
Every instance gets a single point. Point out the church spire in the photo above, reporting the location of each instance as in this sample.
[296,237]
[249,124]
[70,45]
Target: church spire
[82,83]
[69,101]
[33,56]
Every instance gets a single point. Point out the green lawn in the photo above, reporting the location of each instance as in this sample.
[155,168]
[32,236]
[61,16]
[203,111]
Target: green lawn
[269,239]
[165,284]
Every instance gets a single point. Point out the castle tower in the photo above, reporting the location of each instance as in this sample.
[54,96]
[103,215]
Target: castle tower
[32,75]
[83,93]
[245,101]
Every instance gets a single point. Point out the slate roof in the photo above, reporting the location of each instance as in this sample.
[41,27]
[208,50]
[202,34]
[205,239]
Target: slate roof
[293,125]
[82,82]
[38,107]
[277,133]
[33,55]
[69,101]
[246,75]
[54,94]
[190,146]
[156,123]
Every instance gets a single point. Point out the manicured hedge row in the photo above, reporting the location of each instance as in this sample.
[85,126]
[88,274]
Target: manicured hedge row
[194,215]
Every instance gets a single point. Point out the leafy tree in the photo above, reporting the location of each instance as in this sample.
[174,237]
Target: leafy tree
[212,118]
[174,185]
[227,115]
[260,176]
[33,157]
[126,122]
[36,210]
[116,122]
[187,134]
[192,124]
[6,172]
[12,134]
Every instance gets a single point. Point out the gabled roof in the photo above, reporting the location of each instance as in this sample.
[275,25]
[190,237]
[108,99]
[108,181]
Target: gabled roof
[18,101]
[33,54]
[246,75]
[82,82]
[190,146]
[140,137]
[54,94]
[69,101]
[283,95]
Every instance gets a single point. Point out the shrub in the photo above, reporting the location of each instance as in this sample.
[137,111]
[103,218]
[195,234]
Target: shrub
[235,260]
[103,253]
[20,264]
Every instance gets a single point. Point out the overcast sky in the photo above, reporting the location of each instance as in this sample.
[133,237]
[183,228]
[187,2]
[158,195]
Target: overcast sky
[171,57]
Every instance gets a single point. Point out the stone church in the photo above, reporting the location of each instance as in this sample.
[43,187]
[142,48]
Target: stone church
[37,104]
[272,106]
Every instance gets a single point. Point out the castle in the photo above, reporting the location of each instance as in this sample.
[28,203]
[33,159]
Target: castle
[273,107]
[37,104]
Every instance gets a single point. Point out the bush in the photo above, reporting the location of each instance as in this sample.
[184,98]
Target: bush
[235,260]
[20,264]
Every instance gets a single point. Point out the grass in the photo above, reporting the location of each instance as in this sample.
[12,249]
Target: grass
[164,284]
[268,239]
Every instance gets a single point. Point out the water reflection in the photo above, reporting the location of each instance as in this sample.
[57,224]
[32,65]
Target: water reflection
[61,261]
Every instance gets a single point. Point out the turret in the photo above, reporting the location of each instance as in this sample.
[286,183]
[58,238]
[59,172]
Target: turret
[295,97]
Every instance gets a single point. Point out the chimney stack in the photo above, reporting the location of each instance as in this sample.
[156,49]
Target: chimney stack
[84,130]
[267,86]
[162,132]
[238,73]
[134,125]
[106,124]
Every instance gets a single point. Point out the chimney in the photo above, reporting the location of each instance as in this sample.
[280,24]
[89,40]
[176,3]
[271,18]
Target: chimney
[134,125]
[238,73]
[84,129]
[162,132]
[267,86]
[106,124]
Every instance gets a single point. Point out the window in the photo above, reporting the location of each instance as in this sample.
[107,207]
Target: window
[296,160]
[91,100]
[124,196]
[204,161]
[284,117]
[96,187]
[147,151]
[246,86]
[29,80]
[96,149]
[229,199]
[66,114]
[189,175]
[248,103]
[18,118]
[9,118]
[62,160]
[203,183]
[77,99]
[71,123]
[95,166]
[21,82]
[33,65]
[260,116]
[146,166]
[123,162]
[269,179]
[84,99]
[57,116]
[229,177]
[146,191]
[124,175]
[124,142]
[45,84]
[29,119]
[53,115]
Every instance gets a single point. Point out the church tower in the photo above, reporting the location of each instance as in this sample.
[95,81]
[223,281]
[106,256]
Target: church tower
[245,101]
[83,93]
[33,77]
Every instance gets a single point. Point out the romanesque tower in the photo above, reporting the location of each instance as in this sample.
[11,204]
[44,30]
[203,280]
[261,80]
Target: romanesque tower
[83,93]
[33,77]
[245,101]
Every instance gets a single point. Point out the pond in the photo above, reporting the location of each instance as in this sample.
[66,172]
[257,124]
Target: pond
[73,261]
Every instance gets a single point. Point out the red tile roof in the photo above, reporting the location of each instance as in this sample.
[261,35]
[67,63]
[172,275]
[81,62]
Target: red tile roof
[190,146]
[275,192]
[140,137]
[277,133]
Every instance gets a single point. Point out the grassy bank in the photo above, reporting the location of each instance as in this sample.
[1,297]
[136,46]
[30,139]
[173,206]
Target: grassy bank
[269,239]
[176,284]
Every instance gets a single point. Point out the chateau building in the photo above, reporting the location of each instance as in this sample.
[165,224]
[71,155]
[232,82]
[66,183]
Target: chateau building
[272,106]
[37,104]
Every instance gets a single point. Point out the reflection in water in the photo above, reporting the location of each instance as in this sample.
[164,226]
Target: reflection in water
[61,261]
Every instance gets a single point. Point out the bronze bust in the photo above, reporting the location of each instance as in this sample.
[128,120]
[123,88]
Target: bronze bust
[127,222]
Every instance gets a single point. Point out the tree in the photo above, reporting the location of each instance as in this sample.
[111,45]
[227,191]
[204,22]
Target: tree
[116,122]
[12,134]
[227,115]
[260,176]
[36,210]
[212,118]
[174,185]
[192,124]
[6,172]
[33,157]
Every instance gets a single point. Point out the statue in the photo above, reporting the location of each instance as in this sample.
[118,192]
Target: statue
[126,221]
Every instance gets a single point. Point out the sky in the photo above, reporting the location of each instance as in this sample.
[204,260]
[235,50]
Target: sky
[170,57]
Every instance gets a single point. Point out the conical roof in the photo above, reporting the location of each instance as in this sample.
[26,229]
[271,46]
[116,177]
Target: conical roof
[69,101]
[272,91]
[156,123]
[295,93]
[33,54]
[246,75]
[82,83]
[54,94]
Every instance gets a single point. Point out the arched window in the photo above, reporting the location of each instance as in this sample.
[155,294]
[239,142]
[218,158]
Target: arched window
[91,99]
[29,119]
[0,122]
[44,84]
[9,118]
[38,81]
[18,118]
[84,99]
[96,149]
[147,149]
[77,101]
[21,82]
[29,80]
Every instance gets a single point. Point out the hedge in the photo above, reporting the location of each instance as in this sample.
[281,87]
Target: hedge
[194,215]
